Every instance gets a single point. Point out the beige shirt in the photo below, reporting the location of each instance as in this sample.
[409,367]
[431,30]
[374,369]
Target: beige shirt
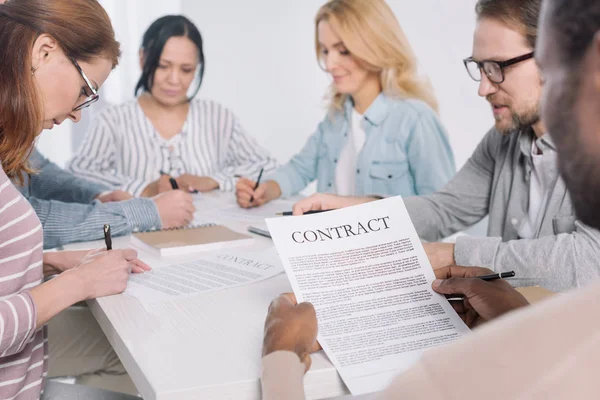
[550,350]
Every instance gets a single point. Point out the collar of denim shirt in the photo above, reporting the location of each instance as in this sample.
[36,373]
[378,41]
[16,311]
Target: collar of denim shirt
[375,114]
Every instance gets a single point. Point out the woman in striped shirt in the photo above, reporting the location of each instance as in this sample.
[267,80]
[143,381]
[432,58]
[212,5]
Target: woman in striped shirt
[55,56]
[136,146]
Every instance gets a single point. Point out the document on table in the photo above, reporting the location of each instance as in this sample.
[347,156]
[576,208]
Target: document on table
[366,272]
[217,271]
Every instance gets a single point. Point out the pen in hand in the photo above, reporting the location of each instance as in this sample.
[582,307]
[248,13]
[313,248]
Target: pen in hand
[492,277]
[257,183]
[107,238]
[290,213]
[174,184]
[172,181]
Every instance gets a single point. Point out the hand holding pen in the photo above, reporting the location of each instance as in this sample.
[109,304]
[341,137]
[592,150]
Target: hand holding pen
[479,294]
[251,193]
[257,183]
[174,184]
[107,237]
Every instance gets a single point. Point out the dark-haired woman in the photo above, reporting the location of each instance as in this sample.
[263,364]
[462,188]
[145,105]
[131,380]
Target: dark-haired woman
[165,131]
[52,66]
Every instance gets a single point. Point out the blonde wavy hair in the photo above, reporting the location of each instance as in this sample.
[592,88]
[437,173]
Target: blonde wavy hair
[372,35]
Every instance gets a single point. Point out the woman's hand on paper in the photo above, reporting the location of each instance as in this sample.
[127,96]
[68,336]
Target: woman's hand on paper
[482,300]
[161,185]
[323,201]
[104,273]
[137,265]
[291,327]
[60,261]
[191,183]
[266,191]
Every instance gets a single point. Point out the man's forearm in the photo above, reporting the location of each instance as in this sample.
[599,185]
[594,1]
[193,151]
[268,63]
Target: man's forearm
[66,223]
[53,183]
[558,263]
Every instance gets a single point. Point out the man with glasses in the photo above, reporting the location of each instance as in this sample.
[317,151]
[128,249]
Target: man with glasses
[512,175]
[72,209]
[544,352]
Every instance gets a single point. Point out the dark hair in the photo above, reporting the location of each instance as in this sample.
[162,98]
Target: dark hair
[154,42]
[575,23]
[521,15]
[82,29]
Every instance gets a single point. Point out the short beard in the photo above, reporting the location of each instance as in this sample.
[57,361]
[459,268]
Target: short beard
[521,122]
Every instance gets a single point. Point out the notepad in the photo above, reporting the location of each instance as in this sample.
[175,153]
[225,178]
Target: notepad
[190,240]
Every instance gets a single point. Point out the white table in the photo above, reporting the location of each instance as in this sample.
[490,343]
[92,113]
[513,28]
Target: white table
[204,347]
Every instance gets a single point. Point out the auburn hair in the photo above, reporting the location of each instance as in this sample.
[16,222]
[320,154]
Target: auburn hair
[82,29]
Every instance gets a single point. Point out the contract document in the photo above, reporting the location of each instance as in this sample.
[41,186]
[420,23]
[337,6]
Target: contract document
[366,272]
[218,271]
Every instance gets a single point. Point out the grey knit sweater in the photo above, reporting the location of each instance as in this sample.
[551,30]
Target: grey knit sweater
[495,181]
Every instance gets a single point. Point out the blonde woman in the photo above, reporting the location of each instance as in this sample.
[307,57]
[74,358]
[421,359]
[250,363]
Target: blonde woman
[382,135]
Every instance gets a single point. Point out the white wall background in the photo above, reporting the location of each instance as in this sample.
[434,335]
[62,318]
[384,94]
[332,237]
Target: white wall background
[261,64]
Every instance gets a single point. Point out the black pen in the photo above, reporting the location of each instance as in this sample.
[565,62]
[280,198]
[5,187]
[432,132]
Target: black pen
[492,277]
[173,182]
[257,183]
[107,238]
[290,213]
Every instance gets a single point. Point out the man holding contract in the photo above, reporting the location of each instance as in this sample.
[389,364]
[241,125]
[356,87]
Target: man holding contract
[547,351]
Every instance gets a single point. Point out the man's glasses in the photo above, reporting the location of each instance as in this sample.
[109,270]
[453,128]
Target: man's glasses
[91,98]
[494,70]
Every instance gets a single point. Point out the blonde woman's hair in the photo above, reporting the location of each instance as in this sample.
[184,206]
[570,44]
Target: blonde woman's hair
[372,35]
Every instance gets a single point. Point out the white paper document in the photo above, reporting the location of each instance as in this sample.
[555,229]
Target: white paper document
[365,271]
[217,271]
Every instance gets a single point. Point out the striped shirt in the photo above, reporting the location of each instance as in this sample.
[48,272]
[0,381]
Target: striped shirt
[68,212]
[124,150]
[23,347]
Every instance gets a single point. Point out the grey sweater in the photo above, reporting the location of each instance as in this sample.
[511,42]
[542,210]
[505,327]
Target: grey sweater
[495,181]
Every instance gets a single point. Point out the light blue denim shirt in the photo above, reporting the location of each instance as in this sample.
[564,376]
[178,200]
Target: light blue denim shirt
[406,152]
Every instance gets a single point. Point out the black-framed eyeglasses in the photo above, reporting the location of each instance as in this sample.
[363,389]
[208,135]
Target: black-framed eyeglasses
[91,98]
[494,70]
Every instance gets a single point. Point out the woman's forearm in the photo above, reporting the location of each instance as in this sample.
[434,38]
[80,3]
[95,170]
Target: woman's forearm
[57,294]
[51,262]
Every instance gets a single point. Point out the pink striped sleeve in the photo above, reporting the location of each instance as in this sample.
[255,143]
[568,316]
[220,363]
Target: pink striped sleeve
[17,323]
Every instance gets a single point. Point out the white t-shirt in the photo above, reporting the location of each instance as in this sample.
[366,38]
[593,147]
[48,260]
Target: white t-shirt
[345,173]
[540,185]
